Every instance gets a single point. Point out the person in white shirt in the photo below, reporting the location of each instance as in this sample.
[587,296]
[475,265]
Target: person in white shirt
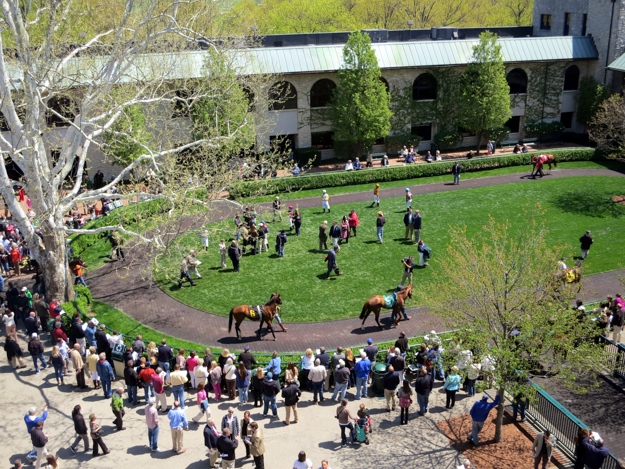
[349,166]
[114,339]
[562,264]
[302,462]
[223,251]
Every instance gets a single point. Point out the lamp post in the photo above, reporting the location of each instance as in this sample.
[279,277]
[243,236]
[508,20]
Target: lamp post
[410,23]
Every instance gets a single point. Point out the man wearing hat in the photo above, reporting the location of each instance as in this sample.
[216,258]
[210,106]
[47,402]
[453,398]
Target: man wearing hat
[271,388]
[325,201]
[35,347]
[247,358]
[562,264]
[276,209]
[380,226]
[376,195]
[479,413]
[408,198]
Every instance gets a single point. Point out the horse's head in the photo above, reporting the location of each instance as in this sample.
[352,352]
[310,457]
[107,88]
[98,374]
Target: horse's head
[407,291]
[275,298]
[534,158]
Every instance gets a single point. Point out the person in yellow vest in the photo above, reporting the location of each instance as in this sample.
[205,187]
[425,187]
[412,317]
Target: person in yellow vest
[376,195]
[325,201]
[562,265]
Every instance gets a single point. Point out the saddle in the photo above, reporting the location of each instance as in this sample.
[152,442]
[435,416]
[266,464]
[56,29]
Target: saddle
[390,300]
[255,311]
[572,275]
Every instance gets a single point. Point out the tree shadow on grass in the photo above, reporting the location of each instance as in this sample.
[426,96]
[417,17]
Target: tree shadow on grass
[589,202]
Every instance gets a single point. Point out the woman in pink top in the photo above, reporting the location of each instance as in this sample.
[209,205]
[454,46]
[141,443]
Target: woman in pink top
[191,364]
[215,375]
[353,221]
[202,402]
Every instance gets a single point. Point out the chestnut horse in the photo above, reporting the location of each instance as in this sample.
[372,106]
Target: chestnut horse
[547,159]
[239,313]
[376,303]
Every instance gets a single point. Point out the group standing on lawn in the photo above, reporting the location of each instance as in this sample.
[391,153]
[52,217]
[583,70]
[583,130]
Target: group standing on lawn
[248,235]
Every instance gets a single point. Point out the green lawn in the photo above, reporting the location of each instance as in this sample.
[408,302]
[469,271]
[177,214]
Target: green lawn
[437,179]
[573,206]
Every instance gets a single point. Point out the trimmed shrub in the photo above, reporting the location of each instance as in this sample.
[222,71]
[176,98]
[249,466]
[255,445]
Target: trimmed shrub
[448,139]
[396,173]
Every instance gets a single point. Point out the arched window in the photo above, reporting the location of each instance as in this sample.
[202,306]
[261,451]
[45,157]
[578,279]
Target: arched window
[282,96]
[321,92]
[388,88]
[571,78]
[517,81]
[424,87]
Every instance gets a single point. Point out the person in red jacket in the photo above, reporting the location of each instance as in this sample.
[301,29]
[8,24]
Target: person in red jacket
[145,376]
[353,221]
[16,257]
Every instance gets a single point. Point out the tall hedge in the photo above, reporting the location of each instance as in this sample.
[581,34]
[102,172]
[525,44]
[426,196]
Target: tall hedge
[396,173]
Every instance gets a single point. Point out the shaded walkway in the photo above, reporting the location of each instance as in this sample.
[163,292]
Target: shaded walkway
[129,292]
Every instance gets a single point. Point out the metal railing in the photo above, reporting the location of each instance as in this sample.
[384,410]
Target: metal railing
[615,357]
[548,414]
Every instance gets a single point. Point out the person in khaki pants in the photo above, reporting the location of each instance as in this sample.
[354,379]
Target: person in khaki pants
[257,446]
[291,394]
[211,435]
[177,422]
[391,381]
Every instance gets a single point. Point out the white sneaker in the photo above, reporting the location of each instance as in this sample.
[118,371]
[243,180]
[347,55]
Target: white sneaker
[157,450]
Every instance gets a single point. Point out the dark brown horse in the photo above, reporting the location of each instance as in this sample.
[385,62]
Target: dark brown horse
[572,275]
[376,303]
[268,310]
[546,159]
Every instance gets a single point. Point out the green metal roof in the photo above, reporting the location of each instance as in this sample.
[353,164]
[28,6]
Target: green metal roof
[313,59]
[618,65]
[310,59]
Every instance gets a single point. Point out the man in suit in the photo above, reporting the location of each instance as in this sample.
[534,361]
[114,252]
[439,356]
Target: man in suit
[211,435]
[234,253]
[408,223]
[226,447]
[257,446]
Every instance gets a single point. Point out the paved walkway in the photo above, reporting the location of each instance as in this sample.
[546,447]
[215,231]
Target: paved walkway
[128,291]
[419,444]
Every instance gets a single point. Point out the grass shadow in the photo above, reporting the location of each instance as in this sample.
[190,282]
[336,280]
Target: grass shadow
[590,202]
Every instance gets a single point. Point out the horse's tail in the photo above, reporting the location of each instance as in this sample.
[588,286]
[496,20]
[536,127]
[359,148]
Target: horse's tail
[230,319]
[364,310]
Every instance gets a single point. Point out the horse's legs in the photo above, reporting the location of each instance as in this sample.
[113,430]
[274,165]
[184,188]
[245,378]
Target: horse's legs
[362,326]
[260,328]
[377,317]
[270,328]
[237,330]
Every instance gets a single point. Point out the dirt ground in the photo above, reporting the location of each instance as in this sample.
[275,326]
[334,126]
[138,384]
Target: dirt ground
[514,451]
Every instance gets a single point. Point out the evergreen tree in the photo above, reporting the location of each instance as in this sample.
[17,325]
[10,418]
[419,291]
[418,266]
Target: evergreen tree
[359,108]
[485,98]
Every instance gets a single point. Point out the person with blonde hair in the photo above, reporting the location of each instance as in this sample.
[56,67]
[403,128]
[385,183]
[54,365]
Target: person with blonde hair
[201,373]
[308,361]
[231,378]
[451,386]
[59,365]
[152,351]
[215,375]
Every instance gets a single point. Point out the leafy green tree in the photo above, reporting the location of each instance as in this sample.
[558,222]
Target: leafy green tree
[498,288]
[485,98]
[359,107]
[591,95]
[607,128]
[127,139]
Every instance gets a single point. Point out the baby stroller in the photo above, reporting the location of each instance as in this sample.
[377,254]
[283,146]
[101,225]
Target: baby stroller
[363,428]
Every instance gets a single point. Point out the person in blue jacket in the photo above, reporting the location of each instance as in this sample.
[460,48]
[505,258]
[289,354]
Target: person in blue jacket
[274,365]
[106,373]
[479,413]
[32,420]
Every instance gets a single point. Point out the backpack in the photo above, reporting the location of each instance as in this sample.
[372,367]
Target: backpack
[405,401]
